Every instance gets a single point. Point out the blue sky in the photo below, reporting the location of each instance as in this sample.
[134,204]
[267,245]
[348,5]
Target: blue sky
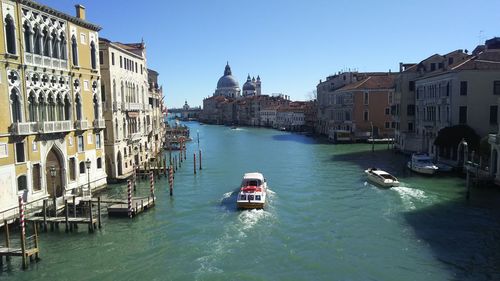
[290,44]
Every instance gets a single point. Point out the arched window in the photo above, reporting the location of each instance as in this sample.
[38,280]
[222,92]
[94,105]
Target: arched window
[62,46]
[116,129]
[33,107]
[78,105]
[42,116]
[55,45]
[60,108]
[51,108]
[74,50]
[114,90]
[15,106]
[125,152]
[67,108]
[10,35]
[46,43]
[37,40]
[99,163]
[122,92]
[22,183]
[82,167]
[96,107]
[27,38]
[124,134]
[93,56]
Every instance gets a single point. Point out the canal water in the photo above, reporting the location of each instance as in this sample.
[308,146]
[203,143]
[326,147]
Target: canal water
[323,221]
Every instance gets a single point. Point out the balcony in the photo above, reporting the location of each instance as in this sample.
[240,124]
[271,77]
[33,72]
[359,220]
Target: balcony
[99,123]
[24,128]
[81,124]
[131,106]
[54,126]
[135,137]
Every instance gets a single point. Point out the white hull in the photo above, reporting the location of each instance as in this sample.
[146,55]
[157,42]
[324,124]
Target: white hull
[422,170]
[381,181]
[253,192]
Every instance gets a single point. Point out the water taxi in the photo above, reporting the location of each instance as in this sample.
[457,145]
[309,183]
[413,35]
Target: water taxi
[381,178]
[422,163]
[252,194]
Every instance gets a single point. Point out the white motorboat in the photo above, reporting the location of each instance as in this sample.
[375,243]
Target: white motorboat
[422,163]
[253,192]
[381,178]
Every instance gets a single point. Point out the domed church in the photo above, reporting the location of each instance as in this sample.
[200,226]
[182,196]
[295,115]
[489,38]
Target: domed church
[252,87]
[228,86]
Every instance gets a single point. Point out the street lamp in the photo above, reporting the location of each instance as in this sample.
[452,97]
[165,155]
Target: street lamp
[53,175]
[87,164]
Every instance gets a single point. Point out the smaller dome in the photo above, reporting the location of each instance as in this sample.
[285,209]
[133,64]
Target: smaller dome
[249,86]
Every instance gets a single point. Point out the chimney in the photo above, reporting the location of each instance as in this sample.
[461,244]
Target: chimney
[80,11]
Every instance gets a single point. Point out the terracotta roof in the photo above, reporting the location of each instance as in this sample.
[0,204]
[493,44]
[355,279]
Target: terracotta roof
[488,59]
[372,82]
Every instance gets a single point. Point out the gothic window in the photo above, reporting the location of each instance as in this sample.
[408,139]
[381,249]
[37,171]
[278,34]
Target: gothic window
[78,105]
[60,108]
[55,45]
[15,106]
[67,108]
[74,50]
[33,107]
[10,34]
[27,38]
[51,108]
[62,46]
[93,55]
[42,116]
[37,41]
[96,107]
[116,129]
[46,43]
[122,92]
[114,90]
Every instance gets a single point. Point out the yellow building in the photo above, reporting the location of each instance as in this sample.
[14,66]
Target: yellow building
[51,115]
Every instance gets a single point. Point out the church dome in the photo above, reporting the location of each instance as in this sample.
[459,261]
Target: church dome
[228,80]
[249,85]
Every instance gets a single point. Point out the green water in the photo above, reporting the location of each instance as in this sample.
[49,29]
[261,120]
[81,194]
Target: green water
[323,221]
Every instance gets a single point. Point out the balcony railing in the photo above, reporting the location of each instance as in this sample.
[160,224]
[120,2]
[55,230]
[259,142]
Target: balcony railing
[99,123]
[54,126]
[24,128]
[131,106]
[134,137]
[81,124]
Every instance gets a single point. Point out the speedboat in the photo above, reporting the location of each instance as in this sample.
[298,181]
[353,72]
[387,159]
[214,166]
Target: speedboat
[381,178]
[253,191]
[422,163]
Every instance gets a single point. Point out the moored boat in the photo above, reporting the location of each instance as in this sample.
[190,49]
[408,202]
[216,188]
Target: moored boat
[422,163]
[381,178]
[253,192]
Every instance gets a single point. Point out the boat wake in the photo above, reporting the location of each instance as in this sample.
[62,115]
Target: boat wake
[410,196]
[233,235]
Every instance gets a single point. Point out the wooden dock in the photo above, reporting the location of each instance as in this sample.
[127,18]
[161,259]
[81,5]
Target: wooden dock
[28,250]
[139,205]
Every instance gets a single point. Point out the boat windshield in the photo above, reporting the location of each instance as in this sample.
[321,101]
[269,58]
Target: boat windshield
[424,161]
[252,183]
[387,176]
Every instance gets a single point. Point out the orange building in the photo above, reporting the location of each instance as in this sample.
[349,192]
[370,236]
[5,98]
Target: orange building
[358,106]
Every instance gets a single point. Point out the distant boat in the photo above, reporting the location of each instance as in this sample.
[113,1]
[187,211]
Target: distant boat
[422,163]
[253,192]
[381,178]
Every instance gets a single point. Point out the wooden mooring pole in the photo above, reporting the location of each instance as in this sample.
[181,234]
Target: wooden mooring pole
[7,237]
[99,211]
[194,163]
[171,180]
[66,215]
[45,215]
[200,158]
[91,217]
[23,232]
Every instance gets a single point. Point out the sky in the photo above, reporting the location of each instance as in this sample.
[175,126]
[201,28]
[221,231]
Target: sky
[290,44]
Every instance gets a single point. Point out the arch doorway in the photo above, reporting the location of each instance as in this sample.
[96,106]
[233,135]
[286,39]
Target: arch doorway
[54,184]
[119,163]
